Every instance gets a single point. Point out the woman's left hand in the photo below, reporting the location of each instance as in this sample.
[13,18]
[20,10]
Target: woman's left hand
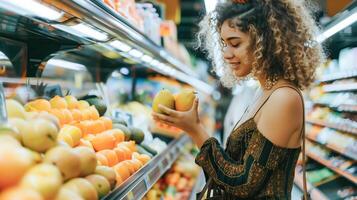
[187,121]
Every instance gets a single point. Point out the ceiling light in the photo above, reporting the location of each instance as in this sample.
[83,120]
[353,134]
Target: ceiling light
[31,8]
[136,53]
[337,27]
[66,64]
[210,5]
[120,46]
[124,71]
[146,58]
[90,32]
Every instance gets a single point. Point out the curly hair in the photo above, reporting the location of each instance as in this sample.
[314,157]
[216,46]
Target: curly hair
[282,39]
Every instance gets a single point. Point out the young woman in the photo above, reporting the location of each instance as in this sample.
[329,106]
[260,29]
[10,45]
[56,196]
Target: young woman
[272,41]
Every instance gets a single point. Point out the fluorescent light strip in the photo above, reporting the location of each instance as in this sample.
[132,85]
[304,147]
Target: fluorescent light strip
[67,64]
[337,27]
[210,5]
[136,53]
[90,32]
[32,8]
[146,58]
[155,63]
[120,46]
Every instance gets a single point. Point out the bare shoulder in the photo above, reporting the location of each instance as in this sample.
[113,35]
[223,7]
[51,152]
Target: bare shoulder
[282,117]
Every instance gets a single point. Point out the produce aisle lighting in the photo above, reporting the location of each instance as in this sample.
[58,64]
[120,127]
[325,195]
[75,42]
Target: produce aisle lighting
[120,46]
[337,27]
[155,63]
[67,64]
[31,8]
[146,58]
[210,5]
[90,32]
[136,53]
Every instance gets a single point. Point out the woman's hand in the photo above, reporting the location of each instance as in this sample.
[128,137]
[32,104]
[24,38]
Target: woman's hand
[187,121]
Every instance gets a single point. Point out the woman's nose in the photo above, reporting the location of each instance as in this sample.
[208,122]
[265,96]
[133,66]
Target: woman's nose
[227,53]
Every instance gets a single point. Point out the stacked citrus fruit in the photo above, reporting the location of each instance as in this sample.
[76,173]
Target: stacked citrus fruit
[62,149]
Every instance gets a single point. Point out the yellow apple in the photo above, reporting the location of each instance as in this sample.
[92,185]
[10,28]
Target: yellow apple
[20,193]
[40,135]
[100,183]
[49,117]
[8,140]
[65,137]
[74,132]
[15,109]
[83,187]
[67,161]
[44,178]
[10,129]
[88,160]
[67,194]
[184,100]
[14,162]
[108,173]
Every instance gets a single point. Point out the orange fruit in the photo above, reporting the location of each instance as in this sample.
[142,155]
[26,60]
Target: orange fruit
[110,155]
[103,141]
[120,154]
[136,163]
[17,193]
[83,104]
[130,144]
[59,114]
[76,114]
[102,159]
[72,101]
[127,152]
[130,166]
[144,158]
[85,143]
[94,113]
[41,104]
[86,114]
[58,102]
[107,122]
[84,126]
[67,115]
[96,126]
[122,171]
[117,133]
[119,180]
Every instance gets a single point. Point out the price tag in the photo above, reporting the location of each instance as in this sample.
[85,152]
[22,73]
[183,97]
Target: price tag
[154,175]
[165,163]
[140,189]
[119,114]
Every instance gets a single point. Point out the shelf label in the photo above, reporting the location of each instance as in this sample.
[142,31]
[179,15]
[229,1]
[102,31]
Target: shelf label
[154,175]
[165,163]
[140,189]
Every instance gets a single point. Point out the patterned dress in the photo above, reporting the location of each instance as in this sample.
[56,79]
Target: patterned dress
[251,167]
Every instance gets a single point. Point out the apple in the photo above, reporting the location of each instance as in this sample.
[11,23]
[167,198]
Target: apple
[83,187]
[44,178]
[14,162]
[73,131]
[66,138]
[40,135]
[88,160]
[20,193]
[66,194]
[10,129]
[15,109]
[67,161]
[8,140]
[108,173]
[100,183]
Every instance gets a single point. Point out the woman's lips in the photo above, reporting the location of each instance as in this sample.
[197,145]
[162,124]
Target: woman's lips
[234,66]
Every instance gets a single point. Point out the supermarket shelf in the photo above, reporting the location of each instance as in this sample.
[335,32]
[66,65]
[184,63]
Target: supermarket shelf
[198,185]
[109,25]
[330,166]
[338,76]
[140,183]
[315,193]
[342,87]
[334,148]
[340,108]
[334,126]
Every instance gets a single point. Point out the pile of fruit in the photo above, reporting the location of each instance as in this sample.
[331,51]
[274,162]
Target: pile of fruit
[63,149]
[178,182]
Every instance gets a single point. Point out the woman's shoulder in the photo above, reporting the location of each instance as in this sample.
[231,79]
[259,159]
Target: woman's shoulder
[282,117]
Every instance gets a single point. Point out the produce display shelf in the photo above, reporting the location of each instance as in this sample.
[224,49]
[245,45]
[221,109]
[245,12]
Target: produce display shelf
[333,168]
[198,185]
[140,183]
[341,87]
[333,148]
[334,126]
[340,108]
[315,193]
[338,76]
[116,28]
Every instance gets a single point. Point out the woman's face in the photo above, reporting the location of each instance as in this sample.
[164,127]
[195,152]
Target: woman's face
[236,50]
